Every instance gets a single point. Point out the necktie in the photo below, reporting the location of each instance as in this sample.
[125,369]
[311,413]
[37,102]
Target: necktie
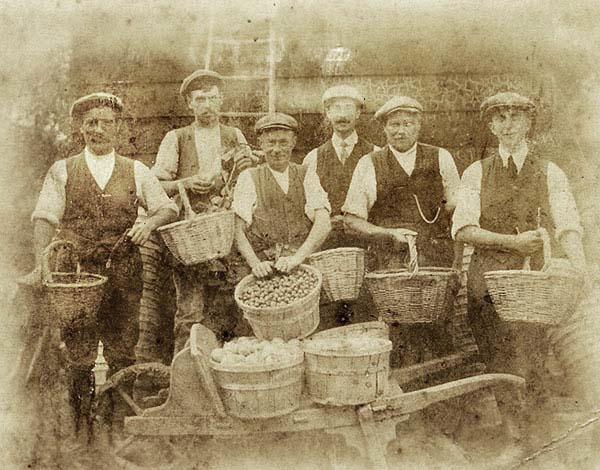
[512,167]
[344,154]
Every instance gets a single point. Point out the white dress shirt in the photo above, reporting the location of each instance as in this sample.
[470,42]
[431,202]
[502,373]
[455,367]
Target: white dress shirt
[563,209]
[362,193]
[338,143]
[51,203]
[208,150]
[244,193]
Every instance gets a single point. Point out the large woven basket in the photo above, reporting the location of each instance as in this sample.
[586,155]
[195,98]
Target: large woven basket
[200,237]
[296,320]
[411,296]
[72,298]
[343,271]
[544,296]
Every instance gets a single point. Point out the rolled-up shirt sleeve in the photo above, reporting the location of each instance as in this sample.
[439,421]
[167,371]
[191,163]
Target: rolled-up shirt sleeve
[311,159]
[244,197]
[450,178]
[362,192]
[316,197]
[167,158]
[51,202]
[562,203]
[468,202]
[150,194]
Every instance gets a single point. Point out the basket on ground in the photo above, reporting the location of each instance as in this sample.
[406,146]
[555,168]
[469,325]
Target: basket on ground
[410,296]
[544,296]
[263,391]
[72,297]
[341,375]
[343,271]
[295,320]
[200,237]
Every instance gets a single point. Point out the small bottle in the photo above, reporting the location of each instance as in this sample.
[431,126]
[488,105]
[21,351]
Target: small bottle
[101,368]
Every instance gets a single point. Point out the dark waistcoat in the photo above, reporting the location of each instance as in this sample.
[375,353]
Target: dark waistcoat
[397,207]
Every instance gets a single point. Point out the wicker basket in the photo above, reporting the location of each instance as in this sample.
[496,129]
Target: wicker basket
[71,297]
[342,378]
[343,271]
[250,392]
[411,296]
[200,237]
[544,296]
[296,320]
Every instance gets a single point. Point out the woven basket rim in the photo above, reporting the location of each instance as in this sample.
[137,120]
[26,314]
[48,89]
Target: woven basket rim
[532,274]
[296,361]
[98,280]
[180,223]
[403,272]
[369,327]
[342,249]
[246,280]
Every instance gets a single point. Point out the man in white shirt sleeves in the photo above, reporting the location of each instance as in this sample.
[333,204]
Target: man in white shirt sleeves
[503,201]
[92,200]
[282,212]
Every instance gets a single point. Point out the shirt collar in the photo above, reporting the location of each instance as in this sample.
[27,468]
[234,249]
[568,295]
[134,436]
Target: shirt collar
[279,174]
[90,155]
[518,156]
[352,139]
[411,151]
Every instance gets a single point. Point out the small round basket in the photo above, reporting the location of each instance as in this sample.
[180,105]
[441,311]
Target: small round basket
[200,237]
[71,297]
[544,297]
[251,392]
[296,320]
[348,377]
[343,271]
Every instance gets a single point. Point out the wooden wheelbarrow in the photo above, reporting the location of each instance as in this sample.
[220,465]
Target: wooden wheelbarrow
[194,408]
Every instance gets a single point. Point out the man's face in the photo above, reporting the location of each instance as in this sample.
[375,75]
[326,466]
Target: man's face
[99,129]
[343,114]
[402,129]
[277,145]
[205,103]
[510,126]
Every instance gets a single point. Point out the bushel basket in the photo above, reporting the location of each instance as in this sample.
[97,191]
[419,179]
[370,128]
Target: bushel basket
[343,271]
[544,296]
[72,297]
[200,237]
[413,295]
[296,320]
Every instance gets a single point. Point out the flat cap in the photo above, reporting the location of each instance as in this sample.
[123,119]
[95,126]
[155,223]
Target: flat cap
[276,121]
[398,103]
[508,99]
[343,91]
[96,100]
[199,79]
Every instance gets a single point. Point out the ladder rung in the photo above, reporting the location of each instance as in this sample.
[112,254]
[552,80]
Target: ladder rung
[235,42]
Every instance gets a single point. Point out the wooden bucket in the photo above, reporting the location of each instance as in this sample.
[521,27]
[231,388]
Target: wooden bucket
[250,392]
[346,378]
[296,320]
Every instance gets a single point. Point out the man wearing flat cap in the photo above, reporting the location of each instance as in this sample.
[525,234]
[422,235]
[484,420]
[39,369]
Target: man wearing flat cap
[504,199]
[92,200]
[201,156]
[282,212]
[405,189]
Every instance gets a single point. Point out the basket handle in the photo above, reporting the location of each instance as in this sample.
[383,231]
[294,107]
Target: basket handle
[413,265]
[547,248]
[46,273]
[189,212]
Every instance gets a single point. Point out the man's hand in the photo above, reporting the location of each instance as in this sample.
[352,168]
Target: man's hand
[337,222]
[33,279]
[527,243]
[197,184]
[262,269]
[286,264]
[401,235]
[140,232]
